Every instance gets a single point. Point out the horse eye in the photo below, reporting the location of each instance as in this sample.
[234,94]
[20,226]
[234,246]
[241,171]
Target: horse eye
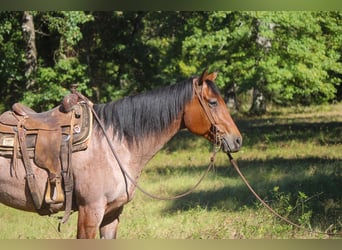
[212,103]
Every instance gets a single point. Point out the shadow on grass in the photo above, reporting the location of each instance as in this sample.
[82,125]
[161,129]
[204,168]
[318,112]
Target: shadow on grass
[315,177]
[281,130]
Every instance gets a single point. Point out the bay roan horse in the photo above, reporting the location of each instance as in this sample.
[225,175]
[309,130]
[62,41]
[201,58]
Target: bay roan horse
[138,126]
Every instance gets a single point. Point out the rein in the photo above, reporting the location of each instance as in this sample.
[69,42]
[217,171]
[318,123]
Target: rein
[235,165]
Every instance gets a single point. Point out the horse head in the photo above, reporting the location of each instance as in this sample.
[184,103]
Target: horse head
[207,115]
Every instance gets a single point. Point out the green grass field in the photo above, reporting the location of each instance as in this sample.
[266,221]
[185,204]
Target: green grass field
[292,157]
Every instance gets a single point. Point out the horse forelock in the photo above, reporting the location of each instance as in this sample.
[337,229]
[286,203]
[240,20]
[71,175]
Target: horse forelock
[135,117]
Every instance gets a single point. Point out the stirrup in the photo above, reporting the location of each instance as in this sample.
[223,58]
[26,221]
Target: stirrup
[54,192]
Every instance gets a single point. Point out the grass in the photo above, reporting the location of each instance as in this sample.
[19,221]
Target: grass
[291,156]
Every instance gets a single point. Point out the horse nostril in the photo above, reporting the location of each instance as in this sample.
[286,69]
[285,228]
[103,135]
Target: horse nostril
[238,141]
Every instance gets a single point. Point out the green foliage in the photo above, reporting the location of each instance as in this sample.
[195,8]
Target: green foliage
[290,57]
[52,84]
[11,58]
[67,25]
[294,208]
[304,61]
[299,66]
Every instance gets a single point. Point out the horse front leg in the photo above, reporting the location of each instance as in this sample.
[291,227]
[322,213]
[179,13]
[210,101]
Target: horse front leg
[109,225]
[109,231]
[89,220]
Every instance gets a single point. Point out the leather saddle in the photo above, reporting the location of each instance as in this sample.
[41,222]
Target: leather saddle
[47,138]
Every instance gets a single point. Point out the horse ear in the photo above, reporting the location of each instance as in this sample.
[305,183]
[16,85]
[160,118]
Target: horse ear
[212,76]
[205,76]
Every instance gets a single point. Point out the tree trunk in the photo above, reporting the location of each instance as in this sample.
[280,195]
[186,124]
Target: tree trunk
[230,97]
[31,51]
[258,103]
[259,100]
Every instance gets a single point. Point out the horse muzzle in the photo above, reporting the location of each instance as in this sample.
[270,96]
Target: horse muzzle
[231,143]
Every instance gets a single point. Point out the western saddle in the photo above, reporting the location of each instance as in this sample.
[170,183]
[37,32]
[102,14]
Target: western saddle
[47,138]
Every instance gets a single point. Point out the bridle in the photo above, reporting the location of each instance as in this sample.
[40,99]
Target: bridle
[217,135]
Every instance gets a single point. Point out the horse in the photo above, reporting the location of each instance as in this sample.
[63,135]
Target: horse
[138,127]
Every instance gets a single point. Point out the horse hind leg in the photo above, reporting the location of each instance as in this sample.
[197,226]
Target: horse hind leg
[110,223]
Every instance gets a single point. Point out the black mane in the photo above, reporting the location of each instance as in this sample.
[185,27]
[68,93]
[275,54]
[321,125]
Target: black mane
[135,117]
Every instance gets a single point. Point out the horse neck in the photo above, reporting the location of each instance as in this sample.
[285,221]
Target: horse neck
[146,122]
[150,145]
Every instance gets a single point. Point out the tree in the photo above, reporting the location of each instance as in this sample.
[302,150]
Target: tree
[130,52]
[58,34]
[331,25]
[300,68]
[282,55]
[31,51]
[12,59]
